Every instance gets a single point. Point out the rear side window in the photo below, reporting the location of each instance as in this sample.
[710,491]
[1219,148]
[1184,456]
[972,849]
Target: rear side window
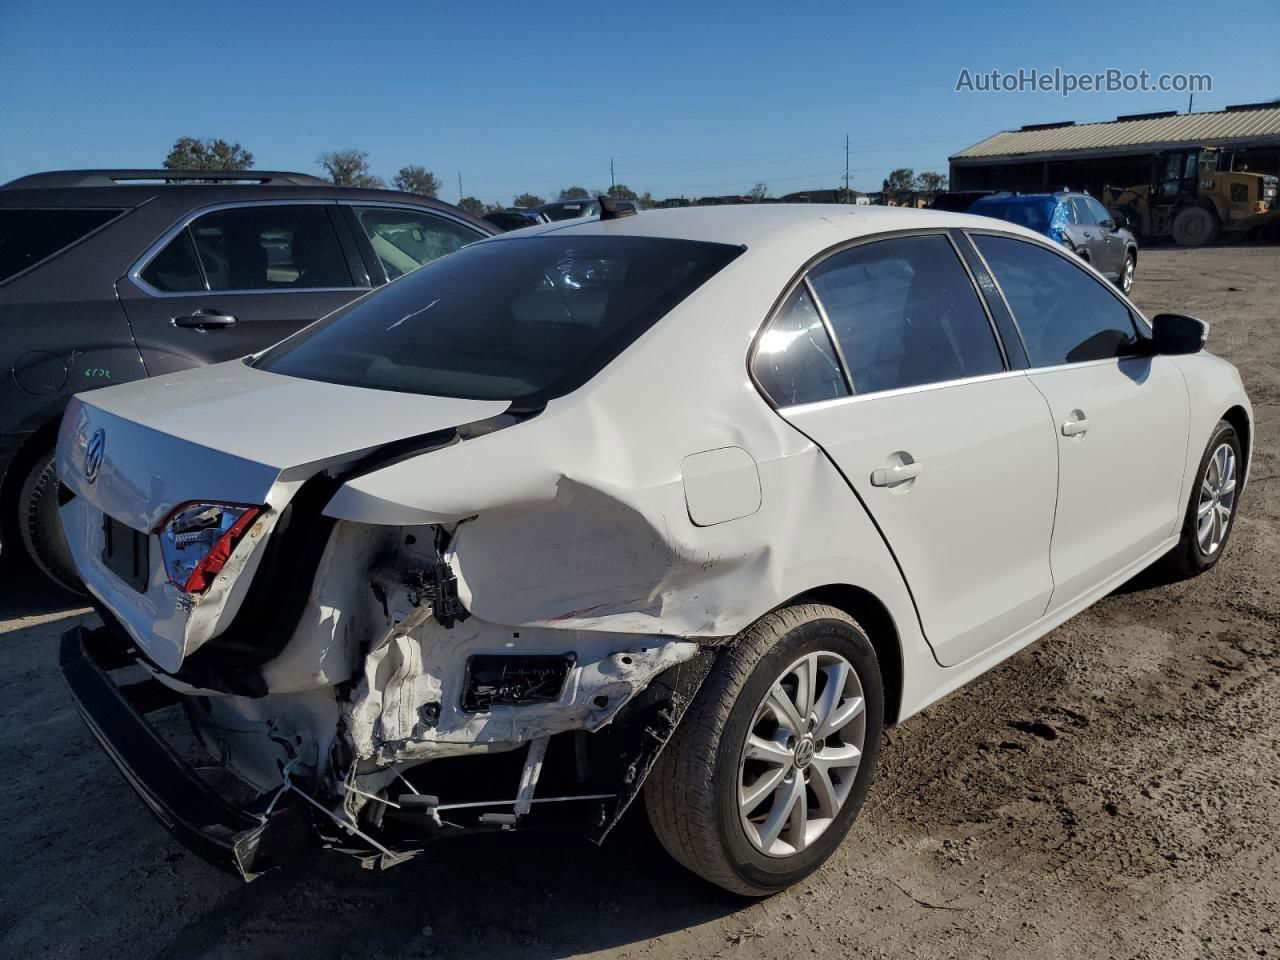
[794,361]
[906,314]
[404,240]
[1065,315]
[284,247]
[525,319]
[29,236]
[274,247]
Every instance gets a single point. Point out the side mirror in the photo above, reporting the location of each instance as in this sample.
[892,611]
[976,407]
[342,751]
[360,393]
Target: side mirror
[1175,334]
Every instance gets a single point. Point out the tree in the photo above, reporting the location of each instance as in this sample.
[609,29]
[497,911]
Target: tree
[349,168]
[904,178]
[930,182]
[417,179]
[620,191]
[759,192]
[472,205]
[647,201]
[574,193]
[528,200]
[191,153]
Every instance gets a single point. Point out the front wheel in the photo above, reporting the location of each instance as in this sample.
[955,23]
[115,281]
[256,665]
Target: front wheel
[1127,273]
[770,765]
[1212,507]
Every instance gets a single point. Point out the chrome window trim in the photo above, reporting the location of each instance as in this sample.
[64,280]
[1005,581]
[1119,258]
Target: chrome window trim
[907,391]
[802,277]
[135,272]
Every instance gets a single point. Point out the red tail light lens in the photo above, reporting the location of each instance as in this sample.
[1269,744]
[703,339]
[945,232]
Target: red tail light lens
[199,537]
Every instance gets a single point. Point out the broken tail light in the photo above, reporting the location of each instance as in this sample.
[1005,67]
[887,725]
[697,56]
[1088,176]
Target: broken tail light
[199,537]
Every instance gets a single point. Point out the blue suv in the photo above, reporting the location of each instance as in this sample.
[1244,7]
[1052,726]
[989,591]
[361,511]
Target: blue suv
[1075,220]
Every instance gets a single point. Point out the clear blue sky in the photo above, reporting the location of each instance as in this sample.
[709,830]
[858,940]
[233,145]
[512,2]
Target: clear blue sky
[687,98]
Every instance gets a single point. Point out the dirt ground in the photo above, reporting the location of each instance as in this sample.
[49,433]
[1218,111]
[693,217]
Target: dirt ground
[1112,791]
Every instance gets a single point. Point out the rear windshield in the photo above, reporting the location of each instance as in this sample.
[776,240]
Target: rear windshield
[29,236]
[524,319]
[1033,212]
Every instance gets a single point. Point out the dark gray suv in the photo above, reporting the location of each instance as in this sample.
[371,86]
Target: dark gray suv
[114,275]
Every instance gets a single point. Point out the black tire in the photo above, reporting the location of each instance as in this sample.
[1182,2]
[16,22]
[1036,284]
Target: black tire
[692,794]
[1188,558]
[40,528]
[1194,226]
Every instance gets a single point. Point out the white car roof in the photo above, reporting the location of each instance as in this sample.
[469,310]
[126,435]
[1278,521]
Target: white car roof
[755,224]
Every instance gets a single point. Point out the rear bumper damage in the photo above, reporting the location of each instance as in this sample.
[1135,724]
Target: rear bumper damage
[244,840]
[579,774]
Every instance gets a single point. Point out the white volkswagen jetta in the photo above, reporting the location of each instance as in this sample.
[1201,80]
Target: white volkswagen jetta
[694,501]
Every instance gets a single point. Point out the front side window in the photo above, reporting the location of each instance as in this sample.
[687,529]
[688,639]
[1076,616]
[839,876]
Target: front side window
[906,314]
[404,240]
[1065,315]
[29,236]
[525,319]
[794,361]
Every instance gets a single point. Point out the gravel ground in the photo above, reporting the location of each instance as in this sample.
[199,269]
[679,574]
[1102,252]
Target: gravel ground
[1112,791]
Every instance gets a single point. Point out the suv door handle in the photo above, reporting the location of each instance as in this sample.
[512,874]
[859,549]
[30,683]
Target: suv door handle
[206,320]
[1074,428]
[892,476]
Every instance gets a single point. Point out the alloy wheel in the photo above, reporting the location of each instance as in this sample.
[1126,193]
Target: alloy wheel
[801,754]
[1217,500]
[1129,267]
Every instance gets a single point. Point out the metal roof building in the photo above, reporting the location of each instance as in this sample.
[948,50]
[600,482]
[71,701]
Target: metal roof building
[1043,156]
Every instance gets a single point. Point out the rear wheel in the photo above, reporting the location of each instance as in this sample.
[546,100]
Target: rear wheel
[1194,226]
[769,767]
[1212,507]
[39,526]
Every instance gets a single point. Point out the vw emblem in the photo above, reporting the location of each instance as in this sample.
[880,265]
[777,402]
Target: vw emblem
[93,455]
[804,752]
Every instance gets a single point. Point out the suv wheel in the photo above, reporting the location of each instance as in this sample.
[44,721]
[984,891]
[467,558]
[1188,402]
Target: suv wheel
[39,526]
[769,767]
[1126,273]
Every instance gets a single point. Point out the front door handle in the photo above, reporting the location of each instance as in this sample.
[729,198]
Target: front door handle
[206,320]
[892,476]
[1074,428]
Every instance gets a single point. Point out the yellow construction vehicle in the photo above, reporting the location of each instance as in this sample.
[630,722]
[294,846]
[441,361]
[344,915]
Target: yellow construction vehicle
[1193,201]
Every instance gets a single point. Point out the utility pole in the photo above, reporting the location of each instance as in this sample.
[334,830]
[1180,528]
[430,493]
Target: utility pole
[611,184]
[459,185]
[846,168]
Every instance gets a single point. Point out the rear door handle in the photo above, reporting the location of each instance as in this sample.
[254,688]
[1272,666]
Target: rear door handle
[892,476]
[206,320]
[1074,428]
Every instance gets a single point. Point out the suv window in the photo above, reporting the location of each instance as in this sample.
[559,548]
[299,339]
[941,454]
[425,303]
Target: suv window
[794,361]
[1081,213]
[29,236]
[1065,315]
[272,247]
[906,313]
[525,319]
[1100,213]
[406,239]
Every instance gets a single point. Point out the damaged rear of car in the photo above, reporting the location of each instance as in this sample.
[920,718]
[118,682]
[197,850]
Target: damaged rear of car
[401,583]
